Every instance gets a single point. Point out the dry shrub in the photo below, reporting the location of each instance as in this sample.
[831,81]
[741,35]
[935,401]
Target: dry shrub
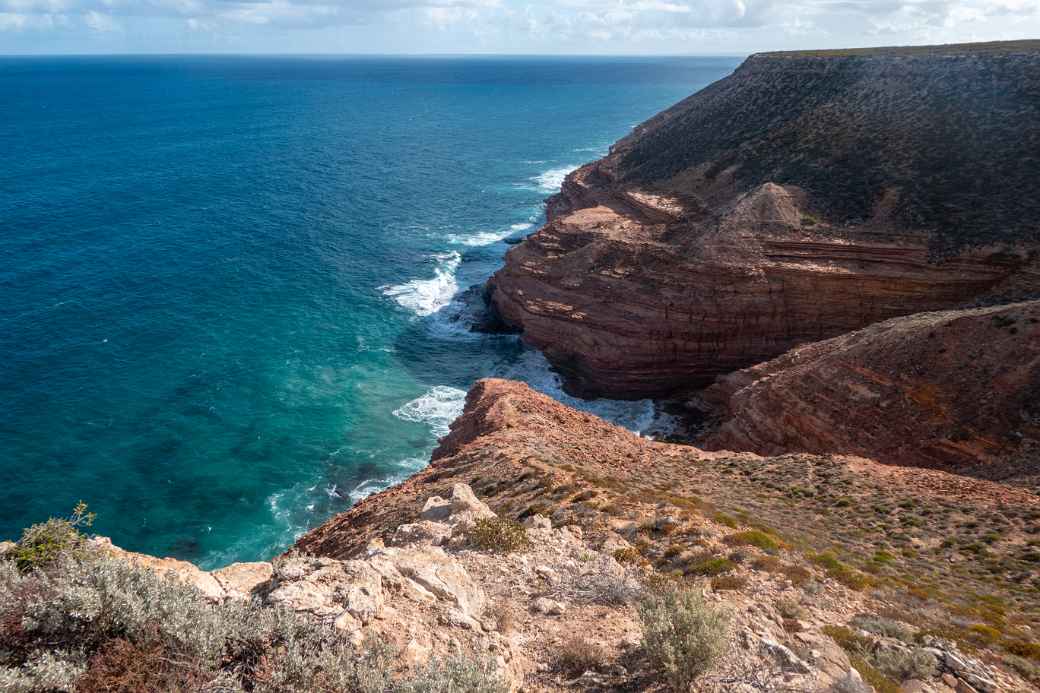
[576,655]
[120,666]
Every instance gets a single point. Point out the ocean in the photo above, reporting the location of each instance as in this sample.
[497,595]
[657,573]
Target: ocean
[233,286]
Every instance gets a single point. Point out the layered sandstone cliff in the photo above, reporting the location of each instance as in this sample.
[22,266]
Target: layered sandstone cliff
[800,198]
[956,390]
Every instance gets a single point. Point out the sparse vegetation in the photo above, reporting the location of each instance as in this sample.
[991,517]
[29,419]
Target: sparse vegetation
[682,635]
[76,618]
[901,665]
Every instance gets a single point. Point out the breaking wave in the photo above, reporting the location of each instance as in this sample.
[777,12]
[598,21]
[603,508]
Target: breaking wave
[426,296]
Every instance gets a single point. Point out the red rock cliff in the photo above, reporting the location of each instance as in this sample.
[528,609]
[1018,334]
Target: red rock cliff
[802,197]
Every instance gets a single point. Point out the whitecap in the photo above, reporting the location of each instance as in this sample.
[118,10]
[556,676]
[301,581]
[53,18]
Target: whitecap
[426,296]
[367,487]
[521,227]
[437,408]
[640,416]
[481,238]
[550,181]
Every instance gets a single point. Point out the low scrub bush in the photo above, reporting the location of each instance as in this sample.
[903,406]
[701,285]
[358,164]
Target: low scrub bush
[1030,671]
[577,655]
[754,537]
[710,566]
[499,534]
[454,675]
[81,620]
[901,665]
[840,572]
[871,675]
[605,582]
[880,625]
[682,635]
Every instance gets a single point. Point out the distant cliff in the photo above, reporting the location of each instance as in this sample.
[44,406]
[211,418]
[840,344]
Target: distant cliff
[802,197]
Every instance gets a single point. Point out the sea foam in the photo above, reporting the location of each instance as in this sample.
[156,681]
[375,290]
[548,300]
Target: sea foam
[550,181]
[437,408]
[426,296]
[640,416]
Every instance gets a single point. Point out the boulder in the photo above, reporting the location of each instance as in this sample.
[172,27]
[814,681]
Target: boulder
[422,532]
[242,580]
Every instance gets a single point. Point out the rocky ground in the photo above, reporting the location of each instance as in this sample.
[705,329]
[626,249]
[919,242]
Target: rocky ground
[825,557]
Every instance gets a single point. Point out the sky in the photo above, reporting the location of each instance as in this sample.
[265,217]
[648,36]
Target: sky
[615,27]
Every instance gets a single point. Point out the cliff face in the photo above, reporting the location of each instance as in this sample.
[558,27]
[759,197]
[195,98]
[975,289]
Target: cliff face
[957,390]
[798,199]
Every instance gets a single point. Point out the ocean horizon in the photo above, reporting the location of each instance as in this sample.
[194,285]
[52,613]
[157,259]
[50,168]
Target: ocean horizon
[237,285]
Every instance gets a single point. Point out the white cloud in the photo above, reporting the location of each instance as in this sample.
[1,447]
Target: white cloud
[559,24]
[99,21]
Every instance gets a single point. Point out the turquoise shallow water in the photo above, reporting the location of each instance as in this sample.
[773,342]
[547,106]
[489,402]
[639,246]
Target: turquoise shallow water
[230,285]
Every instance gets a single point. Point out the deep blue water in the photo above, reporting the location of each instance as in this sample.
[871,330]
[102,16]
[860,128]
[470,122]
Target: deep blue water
[227,283]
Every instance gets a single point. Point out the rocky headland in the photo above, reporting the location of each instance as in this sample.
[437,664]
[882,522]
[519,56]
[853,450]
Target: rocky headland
[800,198]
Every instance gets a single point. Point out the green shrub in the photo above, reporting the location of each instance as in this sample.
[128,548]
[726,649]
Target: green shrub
[90,622]
[754,537]
[852,642]
[104,621]
[883,557]
[43,543]
[710,566]
[837,570]
[1030,671]
[682,635]
[880,682]
[1024,648]
[499,535]
[724,519]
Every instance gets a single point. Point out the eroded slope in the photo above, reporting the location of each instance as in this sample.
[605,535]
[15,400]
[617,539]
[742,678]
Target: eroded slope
[955,390]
